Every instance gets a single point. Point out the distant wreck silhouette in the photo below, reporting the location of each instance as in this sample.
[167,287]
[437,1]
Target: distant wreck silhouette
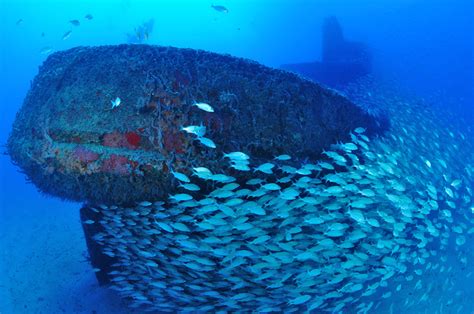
[342,61]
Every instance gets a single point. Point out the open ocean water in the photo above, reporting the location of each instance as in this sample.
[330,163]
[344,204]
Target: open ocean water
[380,221]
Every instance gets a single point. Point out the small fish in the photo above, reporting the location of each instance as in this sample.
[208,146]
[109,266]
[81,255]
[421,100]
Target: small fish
[300,300]
[326,165]
[190,187]
[75,22]
[145,204]
[180,227]
[456,183]
[116,102]
[240,167]
[359,130]
[165,226]
[46,50]
[151,264]
[198,130]
[271,187]
[202,172]
[204,106]
[88,17]
[303,172]
[181,197]
[283,157]
[357,215]
[67,35]
[180,176]
[19,22]
[220,8]
[261,239]
[289,194]
[349,147]
[207,142]
[449,192]
[237,156]
[221,193]
[89,222]
[265,168]
[222,178]
[254,181]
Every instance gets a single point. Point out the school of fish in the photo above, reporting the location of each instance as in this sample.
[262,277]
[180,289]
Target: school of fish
[341,234]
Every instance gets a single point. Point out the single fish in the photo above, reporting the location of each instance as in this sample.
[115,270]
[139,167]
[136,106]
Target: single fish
[300,300]
[181,197]
[180,176]
[116,102]
[283,157]
[237,156]
[67,35]
[271,187]
[75,22]
[202,171]
[207,142]
[222,178]
[165,226]
[220,8]
[46,50]
[198,130]
[19,22]
[204,106]
[265,168]
[240,167]
[88,17]
[456,183]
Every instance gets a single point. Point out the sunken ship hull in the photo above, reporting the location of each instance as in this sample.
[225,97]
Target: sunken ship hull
[72,144]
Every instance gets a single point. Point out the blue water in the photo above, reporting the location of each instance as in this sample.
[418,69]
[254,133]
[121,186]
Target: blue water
[424,47]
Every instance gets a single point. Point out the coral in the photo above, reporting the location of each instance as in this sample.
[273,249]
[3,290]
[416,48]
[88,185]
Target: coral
[130,140]
[173,142]
[114,139]
[133,139]
[116,164]
[84,155]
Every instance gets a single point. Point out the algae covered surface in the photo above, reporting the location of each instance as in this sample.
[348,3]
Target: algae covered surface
[74,143]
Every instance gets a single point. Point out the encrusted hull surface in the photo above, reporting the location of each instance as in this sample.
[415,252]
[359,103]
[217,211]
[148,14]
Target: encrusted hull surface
[71,143]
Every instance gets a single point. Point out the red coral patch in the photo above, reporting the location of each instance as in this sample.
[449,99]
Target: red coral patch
[116,164]
[130,140]
[84,155]
[173,142]
[114,139]
[133,139]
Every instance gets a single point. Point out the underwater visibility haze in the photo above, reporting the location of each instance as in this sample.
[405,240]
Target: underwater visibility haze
[237,156]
